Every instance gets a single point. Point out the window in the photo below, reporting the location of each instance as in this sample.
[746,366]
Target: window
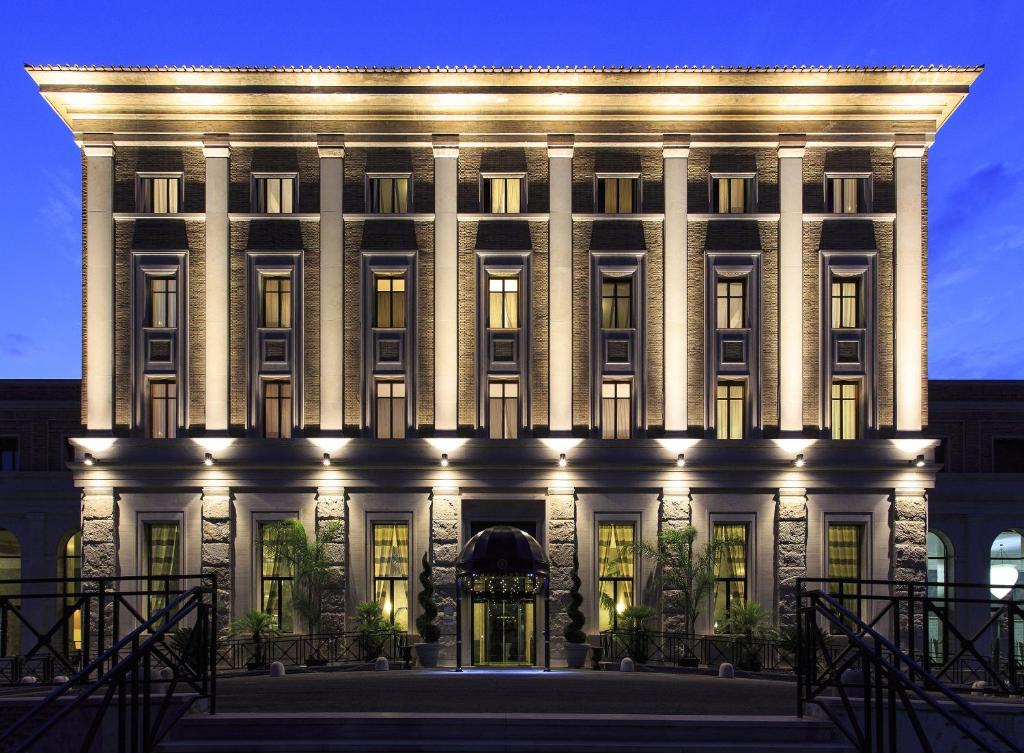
[503,195]
[10,570]
[389,195]
[390,408]
[503,410]
[69,567]
[162,294]
[161,563]
[845,303]
[503,303]
[732,195]
[939,573]
[274,194]
[8,454]
[730,295]
[847,194]
[845,560]
[844,410]
[1008,455]
[390,294]
[616,410]
[163,408]
[729,410]
[730,568]
[616,303]
[276,575]
[276,312]
[391,572]
[616,571]
[618,195]
[159,194]
[277,408]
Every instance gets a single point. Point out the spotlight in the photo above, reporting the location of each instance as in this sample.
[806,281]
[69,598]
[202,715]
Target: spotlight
[208,459]
[444,459]
[89,459]
[680,460]
[919,461]
[799,461]
[562,462]
[327,458]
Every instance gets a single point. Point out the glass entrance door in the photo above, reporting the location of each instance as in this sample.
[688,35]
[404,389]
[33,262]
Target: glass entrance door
[503,631]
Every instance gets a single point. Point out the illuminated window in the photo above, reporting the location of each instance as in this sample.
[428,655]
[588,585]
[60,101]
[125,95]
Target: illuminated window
[618,195]
[846,561]
[616,571]
[503,302]
[732,195]
[503,409]
[276,312]
[845,423]
[729,410]
[158,194]
[847,195]
[503,195]
[162,294]
[390,297]
[940,572]
[617,303]
[163,408]
[10,570]
[277,408]
[730,568]
[616,410]
[389,195]
[845,303]
[274,194]
[161,564]
[730,303]
[276,574]
[69,567]
[391,572]
[390,409]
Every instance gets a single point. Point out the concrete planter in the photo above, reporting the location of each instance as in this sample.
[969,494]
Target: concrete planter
[576,654]
[426,653]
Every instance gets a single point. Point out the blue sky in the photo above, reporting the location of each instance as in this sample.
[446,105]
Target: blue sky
[977,165]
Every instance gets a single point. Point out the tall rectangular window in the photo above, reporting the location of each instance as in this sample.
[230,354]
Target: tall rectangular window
[616,410]
[845,424]
[503,409]
[389,195]
[70,568]
[159,194]
[730,303]
[732,195]
[730,568]
[277,576]
[276,311]
[391,572]
[274,194]
[616,571]
[616,303]
[845,303]
[503,195]
[162,295]
[277,408]
[503,302]
[161,564]
[8,454]
[848,195]
[390,301]
[845,560]
[163,408]
[618,195]
[729,413]
[389,421]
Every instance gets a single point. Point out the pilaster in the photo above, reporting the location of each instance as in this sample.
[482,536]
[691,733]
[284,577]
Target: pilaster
[560,149]
[909,535]
[790,549]
[217,153]
[676,152]
[217,545]
[100,559]
[674,514]
[560,517]
[445,530]
[446,284]
[332,290]
[791,188]
[331,513]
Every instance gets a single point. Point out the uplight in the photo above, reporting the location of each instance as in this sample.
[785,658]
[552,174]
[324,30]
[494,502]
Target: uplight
[326,459]
[919,461]
[680,460]
[799,462]
[444,459]
[562,462]
[88,459]
[208,459]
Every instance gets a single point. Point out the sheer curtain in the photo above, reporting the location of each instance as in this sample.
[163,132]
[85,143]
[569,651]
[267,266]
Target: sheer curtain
[844,561]
[730,568]
[391,571]
[161,563]
[277,575]
[615,570]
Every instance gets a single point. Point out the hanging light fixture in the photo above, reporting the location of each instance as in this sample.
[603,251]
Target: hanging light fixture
[562,462]
[208,459]
[680,460]
[326,459]
[444,459]
[88,459]
[1002,574]
[799,461]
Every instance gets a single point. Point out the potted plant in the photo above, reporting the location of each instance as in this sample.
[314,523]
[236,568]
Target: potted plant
[750,624]
[373,629]
[258,626]
[576,647]
[430,633]
[635,618]
[687,574]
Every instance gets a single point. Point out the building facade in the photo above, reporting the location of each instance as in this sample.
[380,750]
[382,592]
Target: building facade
[592,304]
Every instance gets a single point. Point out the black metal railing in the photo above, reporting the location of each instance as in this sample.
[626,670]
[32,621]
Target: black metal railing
[316,649]
[680,649]
[876,693]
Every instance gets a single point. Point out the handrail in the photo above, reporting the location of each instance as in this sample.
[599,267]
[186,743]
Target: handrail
[841,619]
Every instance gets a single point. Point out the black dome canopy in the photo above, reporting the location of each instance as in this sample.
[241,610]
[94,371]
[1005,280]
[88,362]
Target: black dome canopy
[502,550]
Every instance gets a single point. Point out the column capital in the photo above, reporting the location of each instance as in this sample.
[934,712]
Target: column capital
[918,492]
[445,491]
[675,145]
[96,149]
[561,145]
[216,145]
[216,492]
[675,491]
[331,491]
[331,145]
[560,491]
[912,145]
[446,145]
[792,491]
[792,145]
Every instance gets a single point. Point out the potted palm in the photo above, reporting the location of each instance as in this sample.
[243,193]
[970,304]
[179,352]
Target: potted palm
[750,624]
[635,617]
[373,629]
[576,648]
[257,627]
[428,647]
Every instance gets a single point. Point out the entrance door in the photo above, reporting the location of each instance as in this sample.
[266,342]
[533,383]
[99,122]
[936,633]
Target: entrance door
[503,632]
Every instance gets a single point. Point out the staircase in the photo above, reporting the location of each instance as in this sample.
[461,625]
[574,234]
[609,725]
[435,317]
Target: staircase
[495,733]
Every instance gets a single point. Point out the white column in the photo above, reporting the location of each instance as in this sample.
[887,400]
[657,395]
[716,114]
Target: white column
[99,285]
[560,287]
[791,186]
[217,153]
[909,287]
[446,285]
[676,154]
[332,289]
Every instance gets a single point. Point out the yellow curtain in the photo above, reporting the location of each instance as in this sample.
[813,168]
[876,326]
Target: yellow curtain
[730,568]
[616,567]
[391,571]
[277,572]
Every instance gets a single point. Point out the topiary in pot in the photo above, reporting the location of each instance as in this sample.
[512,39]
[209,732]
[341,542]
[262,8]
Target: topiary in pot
[426,624]
[576,648]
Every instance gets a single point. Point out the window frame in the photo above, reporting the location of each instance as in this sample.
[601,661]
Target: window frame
[752,195]
[728,279]
[631,428]
[405,426]
[15,455]
[504,397]
[169,414]
[864,522]
[374,520]
[604,519]
[380,274]
[265,381]
[638,191]
[858,428]
[143,175]
[368,194]
[744,417]
[485,195]
[749,521]
[609,276]
[514,274]
[828,196]
[858,281]
[171,582]
[254,179]
[69,589]
[258,521]
[265,275]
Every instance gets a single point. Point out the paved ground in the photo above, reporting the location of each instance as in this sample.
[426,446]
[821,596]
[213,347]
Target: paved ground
[506,691]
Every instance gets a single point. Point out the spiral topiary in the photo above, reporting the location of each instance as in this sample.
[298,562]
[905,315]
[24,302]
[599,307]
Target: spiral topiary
[574,628]
[425,625]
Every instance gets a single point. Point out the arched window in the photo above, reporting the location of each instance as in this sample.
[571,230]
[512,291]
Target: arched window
[69,567]
[1005,564]
[10,569]
[940,572]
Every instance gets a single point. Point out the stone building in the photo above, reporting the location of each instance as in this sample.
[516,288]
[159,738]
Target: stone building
[591,304]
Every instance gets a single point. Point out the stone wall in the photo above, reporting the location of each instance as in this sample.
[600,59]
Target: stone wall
[674,514]
[445,527]
[560,505]
[216,555]
[331,512]
[790,550]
